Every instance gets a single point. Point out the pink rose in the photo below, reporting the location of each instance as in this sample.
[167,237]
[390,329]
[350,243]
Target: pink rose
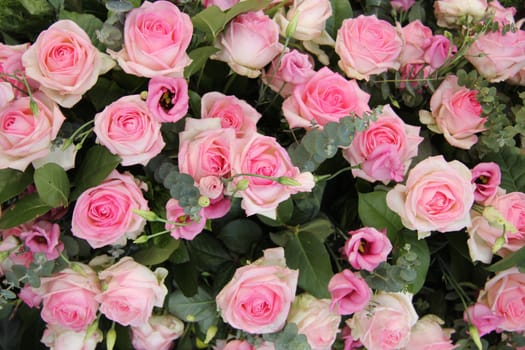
[427,334]
[483,318]
[438,51]
[7,94]
[385,149]
[258,297]
[315,320]
[211,186]
[449,12]
[69,296]
[167,98]
[498,57]
[156,36]
[326,97]
[487,177]
[28,295]
[103,214]
[65,63]
[455,112]
[386,323]
[504,294]
[349,291]
[11,63]
[402,5]
[502,15]
[248,43]
[181,225]
[25,137]
[158,333]
[311,17]
[437,196]
[233,112]
[367,45]
[43,237]
[366,248]
[416,37]
[132,290]
[238,345]
[222,4]
[59,338]
[127,128]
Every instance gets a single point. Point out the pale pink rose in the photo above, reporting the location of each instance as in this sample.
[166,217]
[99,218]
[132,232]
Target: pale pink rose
[456,113]
[43,237]
[402,5]
[168,98]
[502,15]
[315,319]
[438,51]
[25,137]
[366,46]
[159,333]
[311,16]
[437,196]
[416,37]
[427,334]
[156,36]
[28,295]
[103,214]
[483,318]
[65,63]
[449,12]
[326,97]
[263,155]
[68,297]
[498,57]
[59,338]
[181,225]
[248,43]
[366,248]
[504,294]
[233,112]
[385,149]
[350,292]
[259,295]
[11,63]
[487,177]
[238,345]
[222,4]
[131,292]
[386,323]
[126,127]
[7,94]
[211,186]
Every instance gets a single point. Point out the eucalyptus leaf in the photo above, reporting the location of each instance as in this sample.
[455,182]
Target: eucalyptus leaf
[12,182]
[192,309]
[420,248]
[52,185]
[374,212]
[26,209]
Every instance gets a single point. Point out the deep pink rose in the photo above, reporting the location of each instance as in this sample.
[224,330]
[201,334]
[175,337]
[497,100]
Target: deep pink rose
[366,248]
[43,237]
[367,45]
[437,196]
[65,63]
[248,43]
[483,318]
[69,296]
[159,333]
[310,17]
[427,334]
[487,177]
[222,4]
[438,51]
[25,137]
[385,149]
[59,338]
[168,98]
[326,97]
[126,127]
[181,225]
[103,214]
[131,292]
[156,36]
[259,295]
[449,12]
[350,292]
[402,5]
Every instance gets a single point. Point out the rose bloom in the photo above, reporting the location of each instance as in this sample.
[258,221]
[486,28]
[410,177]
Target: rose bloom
[498,57]
[437,196]
[29,296]
[311,16]
[43,237]
[438,51]
[402,5]
[127,128]
[158,333]
[156,36]
[416,37]
[386,323]
[65,63]
[25,137]
[263,155]
[233,112]
[487,177]
[366,248]
[259,295]
[6,94]
[59,338]
[326,97]
[103,214]
[350,292]
[167,98]
[385,149]
[315,320]
[483,318]
[222,4]
[68,297]
[238,345]
[427,334]
[11,63]
[248,43]
[455,112]
[181,225]
[449,12]
[502,15]
[504,294]
[367,45]
[132,290]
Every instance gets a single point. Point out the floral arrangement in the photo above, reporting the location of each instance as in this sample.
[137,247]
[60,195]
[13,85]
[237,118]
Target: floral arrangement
[258,174]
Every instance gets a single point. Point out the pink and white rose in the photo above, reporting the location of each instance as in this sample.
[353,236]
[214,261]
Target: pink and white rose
[310,16]
[11,63]
[349,292]
[158,333]
[366,248]
[449,12]
[427,334]
[483,318]
[59,338]
[168,98]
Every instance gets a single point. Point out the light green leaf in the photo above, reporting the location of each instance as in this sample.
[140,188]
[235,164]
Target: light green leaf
[511,163]
[12,182]
[246,6]
[192,309]
[374,212]
[52,185]
[517,258]
[155,254]
[420,248]
[26,209]
[211,21]
[199,57]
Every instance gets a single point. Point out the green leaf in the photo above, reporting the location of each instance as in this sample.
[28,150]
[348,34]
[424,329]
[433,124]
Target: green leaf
[417,12]
[37,7]
[288,338]
[199,58]
[511,163]
[12,182]
[192,309]
[156,254]
[26,209]
[321,227]
[284,213]
[195,103]
[308,254]
[246,6]
[207,252]
[517,258]
[239,235]
[374,212]
[88,22]
[341,10]
[104,92]
[420,248]
[52,184]
[211,21]
[97,165]
[186,278]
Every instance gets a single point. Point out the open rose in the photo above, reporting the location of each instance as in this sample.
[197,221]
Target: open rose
[310,18]
[167,98]
[427,334]
[158,333]
[366,248]
[59,338]
[483,318]
[449,12]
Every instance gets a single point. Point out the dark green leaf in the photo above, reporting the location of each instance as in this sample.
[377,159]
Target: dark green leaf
[26,209]
[284,213]
[374,212]
[207,252]
[180,255]
[37,7]
[156,254]
[52,184]
[12,182]
[511,163]
[104,92]
[417,12]
[199,58]
[210,20]
[321,227]
[239,235]
[246,6]
[419,247]
[192,309]
[341,10]
[517,258]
